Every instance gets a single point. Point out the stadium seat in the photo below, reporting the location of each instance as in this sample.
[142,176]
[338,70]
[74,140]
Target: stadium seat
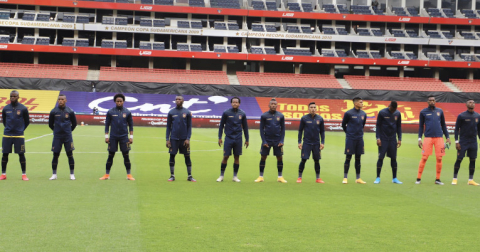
[307,7]
[412,11]
[376,54]
[256,50]
[28,40]
[195,47]
[42,41]
[342,8]
[328,53]
[4,15]
[469,13]
[447,34]
[68,42]
[434,12]
[146,22]
[232,49]
[82,42]
[69,18]
[145,45]
[196,25]
[270,28]
[433,56]
[121,21]
[306,29]
[468,35]
[43,17]
[183,24]
[162,75]
[411,55]
[107,43]
[396,83]
[447,56]
[83,19]
[258,5]
[107,20]
[233,26]
[158,46]
[271,5]
[29,16]
[466,85]
[341,53]
[399,11]
[258,28]
[232,4]
[377,32]
[21,70]
[4,39]
[342,31]
[293,7]
[397,55]
[288,80]
[159,23]
[219,48]
[434,34]
[270,50]
[363,32]
[363,54]
[196,3]
[398,33]
[220,26]
[329,8]
[448,13]
[297,51]
[164,2]
[121,44]
[183,47]
[328,30]
[412,33]
[292,29]
[467,57]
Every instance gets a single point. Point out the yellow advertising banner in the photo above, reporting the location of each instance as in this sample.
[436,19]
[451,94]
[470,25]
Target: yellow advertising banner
[37,101]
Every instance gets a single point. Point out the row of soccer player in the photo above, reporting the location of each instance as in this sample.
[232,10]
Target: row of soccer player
[119,134]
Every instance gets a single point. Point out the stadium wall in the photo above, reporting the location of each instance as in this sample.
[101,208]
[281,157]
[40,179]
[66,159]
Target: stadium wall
[152,109]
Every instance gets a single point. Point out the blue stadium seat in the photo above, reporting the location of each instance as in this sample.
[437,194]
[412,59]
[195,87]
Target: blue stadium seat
[469,13]
[220,26]
[270,50]
[328,53]
[411,55]
[43,17]
[82,43]
[43,41]
[270,28]
[449,13]
[196,25]
[67,42]
[219,48]
[158,46]
[121,21]
[232,4]
[258,5]
[413,11]
[434,12]
[376,55]
[328,30]
[341,53]
[433,56]
[447,56]
[257,28]
[363,32]
[145,45]
[256,50]
[292,29]
[183,24]
[271,5]
[341,31]
[306,29]
[342,9]
[68,18]
[146,22]
[28,40]
[107,43]
[4,39]
[183,47]
[293,7]
[233,26]
[196,47]
[399,11]
[307,7]
[28,16]
[232,49]
[107,20]
[412,33]
[83,19]
[4,15]
[164,2]
[363,55]
[196,3]
[398,33]
[377,32]
[146,1]
[297,51]
[434,34]
[467,57]
[159,23]
[447,34]
[121,44]
[397,55]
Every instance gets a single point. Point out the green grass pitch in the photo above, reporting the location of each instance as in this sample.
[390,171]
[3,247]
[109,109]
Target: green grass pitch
[151,214]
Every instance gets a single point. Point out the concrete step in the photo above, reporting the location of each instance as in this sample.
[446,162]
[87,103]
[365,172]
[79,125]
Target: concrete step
[344,83]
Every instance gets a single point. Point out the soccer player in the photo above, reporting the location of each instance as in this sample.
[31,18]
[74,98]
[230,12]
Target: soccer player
[234,120]
[433,120]
[117,119]
[179,131]
[15,120]
[389,126]
[62,121]
[468,125]
[272,132]
[353,123]
[314,127]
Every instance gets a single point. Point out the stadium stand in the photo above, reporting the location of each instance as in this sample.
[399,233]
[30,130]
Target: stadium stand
[293,7]
[467,57]
[196,3]
[363,54]
[270,50]
[271,5]
[412,33]
[361,9]
[258,28]
[329,8]
[258,5]
[396,83]
[412,11]
[288,80]
[467,85]
[162,75]
[376,54]
[307,7]
[469,13]
[234,4]
[434,12]
[342,8]
[399,11]
[19,70]
[256,50]
[398,33]
[297,51]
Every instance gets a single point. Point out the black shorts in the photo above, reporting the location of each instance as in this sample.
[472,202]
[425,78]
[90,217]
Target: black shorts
[311,148]
[354,147]
[66,141]
[388,147]
[179,145]
[116,141]
[17,142]
[234,145]
[470,149]
[277,151]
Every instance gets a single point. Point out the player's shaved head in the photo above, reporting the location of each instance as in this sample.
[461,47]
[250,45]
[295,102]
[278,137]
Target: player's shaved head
[356,99]
[179,101]
[14,92]
[273,105]
[14,97]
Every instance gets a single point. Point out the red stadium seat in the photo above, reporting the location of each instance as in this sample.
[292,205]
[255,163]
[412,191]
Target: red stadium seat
[466,85]
[396,83]
[162,75]
[20,70]
[288,80]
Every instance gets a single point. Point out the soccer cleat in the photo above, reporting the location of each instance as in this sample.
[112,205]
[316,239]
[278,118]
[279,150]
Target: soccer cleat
[53,177]
[345,181]
[191,179]
[454,181]
[235,179]
[281,180]
[24,177]
[418,182]
[377,181]
[319,180]
[172,178]
[471,182]
[259,179]
[220,179]
[360,181]
[3,177]
[299,180]
[396,181]
[130,177]
[72,177]
[105,177]
[438,182]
